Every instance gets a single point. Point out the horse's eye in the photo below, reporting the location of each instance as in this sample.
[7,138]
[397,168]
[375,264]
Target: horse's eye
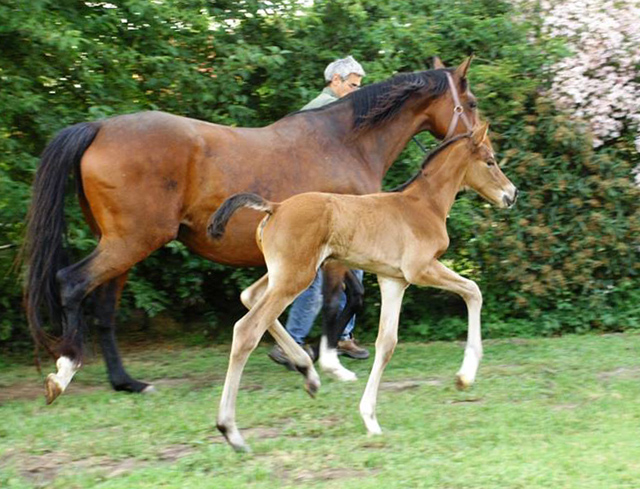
[491,162]
[473,104]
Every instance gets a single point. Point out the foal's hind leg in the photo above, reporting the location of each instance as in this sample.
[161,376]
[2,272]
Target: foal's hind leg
[112,258]
[246,335]
[107,297]
[298,356]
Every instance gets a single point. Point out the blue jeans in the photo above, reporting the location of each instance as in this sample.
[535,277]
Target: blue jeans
[307,306]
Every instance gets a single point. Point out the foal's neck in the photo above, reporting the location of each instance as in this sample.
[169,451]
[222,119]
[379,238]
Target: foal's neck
[441,180]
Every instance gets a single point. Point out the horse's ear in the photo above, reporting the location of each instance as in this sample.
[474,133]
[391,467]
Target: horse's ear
[437,63]
[480,133]
[461,71]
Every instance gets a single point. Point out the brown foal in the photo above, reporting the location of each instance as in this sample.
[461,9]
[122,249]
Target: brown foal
[398,235]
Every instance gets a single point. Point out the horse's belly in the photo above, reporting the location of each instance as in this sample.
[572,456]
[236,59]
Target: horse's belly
[237,247]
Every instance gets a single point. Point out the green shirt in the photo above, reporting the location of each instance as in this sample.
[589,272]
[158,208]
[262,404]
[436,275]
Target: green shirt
[326,97]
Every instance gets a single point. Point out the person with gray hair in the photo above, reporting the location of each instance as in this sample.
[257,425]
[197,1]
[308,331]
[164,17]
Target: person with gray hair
[342,77]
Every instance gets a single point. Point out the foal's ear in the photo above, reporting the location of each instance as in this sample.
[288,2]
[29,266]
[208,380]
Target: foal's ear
[480,133]
[461,71]
[437,63]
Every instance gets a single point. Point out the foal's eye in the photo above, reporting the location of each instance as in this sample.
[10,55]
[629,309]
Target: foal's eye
[491,162]
[473,104]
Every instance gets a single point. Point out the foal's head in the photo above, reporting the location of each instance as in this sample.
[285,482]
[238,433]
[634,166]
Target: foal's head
[483,173]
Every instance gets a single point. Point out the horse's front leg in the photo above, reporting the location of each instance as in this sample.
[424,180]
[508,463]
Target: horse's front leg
[439,276]
[392,291]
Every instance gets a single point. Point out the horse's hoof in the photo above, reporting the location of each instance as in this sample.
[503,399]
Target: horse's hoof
[149,390]
[344,375]
[52,388]
[462,382]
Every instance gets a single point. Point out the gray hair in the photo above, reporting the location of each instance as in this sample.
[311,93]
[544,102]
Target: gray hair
[343,67]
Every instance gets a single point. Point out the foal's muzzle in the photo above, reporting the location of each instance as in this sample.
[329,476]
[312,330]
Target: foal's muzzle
[510,200]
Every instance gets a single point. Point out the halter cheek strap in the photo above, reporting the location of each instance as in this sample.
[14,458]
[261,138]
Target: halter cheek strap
[458,110]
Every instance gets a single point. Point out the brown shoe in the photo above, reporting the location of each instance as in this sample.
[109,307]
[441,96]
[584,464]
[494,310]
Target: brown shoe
[351,349]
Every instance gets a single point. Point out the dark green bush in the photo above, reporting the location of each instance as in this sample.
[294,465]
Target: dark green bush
[564,259]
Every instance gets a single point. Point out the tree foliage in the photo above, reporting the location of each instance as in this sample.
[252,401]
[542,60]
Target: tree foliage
[565,259]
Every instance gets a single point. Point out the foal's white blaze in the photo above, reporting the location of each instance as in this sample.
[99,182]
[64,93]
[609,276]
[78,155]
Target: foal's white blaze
[330,364]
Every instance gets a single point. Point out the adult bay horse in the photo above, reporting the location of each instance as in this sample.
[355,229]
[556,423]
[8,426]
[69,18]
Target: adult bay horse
[398,235]
[148,178]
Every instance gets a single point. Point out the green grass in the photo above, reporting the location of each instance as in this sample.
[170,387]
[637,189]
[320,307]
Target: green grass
[544,413]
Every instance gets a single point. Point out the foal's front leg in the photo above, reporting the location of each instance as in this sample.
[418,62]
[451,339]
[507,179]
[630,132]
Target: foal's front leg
[392,291]
[439,276]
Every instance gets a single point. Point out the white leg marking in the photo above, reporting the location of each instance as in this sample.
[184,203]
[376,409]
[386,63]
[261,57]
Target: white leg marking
[66,371]
[392,291]
[330,363]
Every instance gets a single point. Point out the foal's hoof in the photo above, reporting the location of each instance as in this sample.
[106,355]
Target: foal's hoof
[52,388]
[234,438]
[463,382]
[312,387]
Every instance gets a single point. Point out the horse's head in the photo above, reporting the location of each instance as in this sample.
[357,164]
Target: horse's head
[455,112]
[483,173]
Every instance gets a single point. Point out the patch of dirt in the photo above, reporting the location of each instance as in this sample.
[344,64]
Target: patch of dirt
[25,391]
[620,373]
[403,385]
[42,470]
[565,407]
[302,475]
[175,452]
[471,400]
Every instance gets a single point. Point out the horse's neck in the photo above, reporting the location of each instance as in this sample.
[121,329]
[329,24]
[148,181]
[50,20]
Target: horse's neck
[381,145]
[441,180]
[378,147]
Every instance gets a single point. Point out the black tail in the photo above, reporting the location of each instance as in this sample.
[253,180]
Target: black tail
[43,249]
[219,220]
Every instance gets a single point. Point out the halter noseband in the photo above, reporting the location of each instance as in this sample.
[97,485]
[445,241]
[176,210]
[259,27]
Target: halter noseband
[458,110]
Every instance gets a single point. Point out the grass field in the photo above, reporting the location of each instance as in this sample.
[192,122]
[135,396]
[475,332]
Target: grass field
[544,413]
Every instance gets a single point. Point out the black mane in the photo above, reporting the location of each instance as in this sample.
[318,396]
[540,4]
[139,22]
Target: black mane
[438,149]
[377,103]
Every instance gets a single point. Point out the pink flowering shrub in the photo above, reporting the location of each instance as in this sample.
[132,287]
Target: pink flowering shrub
[599,81]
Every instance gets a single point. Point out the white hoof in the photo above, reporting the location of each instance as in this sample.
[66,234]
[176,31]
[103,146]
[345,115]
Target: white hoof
[149,390]
[463,382]
[343,375]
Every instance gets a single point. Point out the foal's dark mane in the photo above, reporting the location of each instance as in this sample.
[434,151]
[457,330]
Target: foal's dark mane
[377,103]
[435,152]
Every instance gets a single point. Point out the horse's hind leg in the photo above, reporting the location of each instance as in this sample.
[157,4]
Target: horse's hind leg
[107,297]
[298,356]
[111,259]
[333,323]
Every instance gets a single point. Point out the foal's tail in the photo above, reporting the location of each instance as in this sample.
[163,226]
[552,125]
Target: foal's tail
[43,250]
[219,220]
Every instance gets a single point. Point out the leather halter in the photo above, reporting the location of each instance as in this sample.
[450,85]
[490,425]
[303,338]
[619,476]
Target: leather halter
[458,110]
